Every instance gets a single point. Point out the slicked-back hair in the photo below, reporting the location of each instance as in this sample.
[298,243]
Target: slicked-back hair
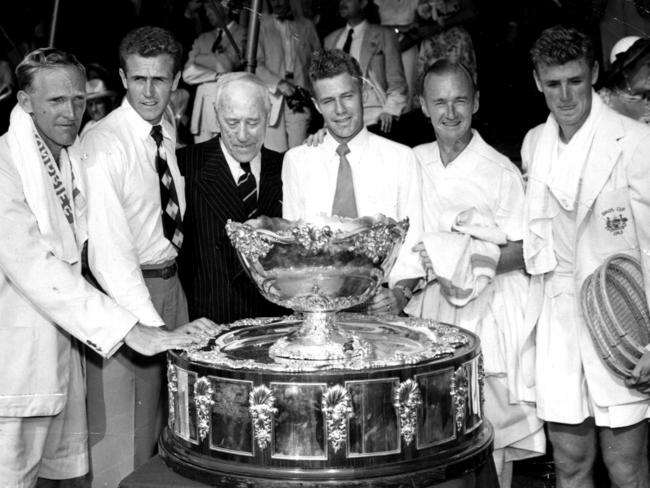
[442,67]
[331,63]
[44,58]
[559,45]
[150,42]
[228,79]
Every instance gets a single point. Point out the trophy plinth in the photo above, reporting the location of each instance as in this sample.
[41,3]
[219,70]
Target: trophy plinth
[326,397]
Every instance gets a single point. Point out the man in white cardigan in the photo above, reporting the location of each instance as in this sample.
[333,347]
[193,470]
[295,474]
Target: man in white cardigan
[48,310]
[583,162]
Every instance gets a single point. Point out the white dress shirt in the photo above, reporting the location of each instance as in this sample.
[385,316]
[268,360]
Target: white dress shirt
[479,177]
[386,180]
[237,171]
[359,31]
[124,213]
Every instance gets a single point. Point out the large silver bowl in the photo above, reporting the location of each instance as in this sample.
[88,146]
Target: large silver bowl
[318,268]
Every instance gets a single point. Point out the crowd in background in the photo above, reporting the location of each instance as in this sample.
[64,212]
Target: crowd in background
[499,33]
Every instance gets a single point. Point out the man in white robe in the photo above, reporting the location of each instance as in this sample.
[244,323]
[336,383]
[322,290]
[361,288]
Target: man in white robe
[460,173]
[583,162]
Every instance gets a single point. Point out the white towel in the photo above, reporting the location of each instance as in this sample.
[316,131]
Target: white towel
[555,175]
[64,240]
[464,253]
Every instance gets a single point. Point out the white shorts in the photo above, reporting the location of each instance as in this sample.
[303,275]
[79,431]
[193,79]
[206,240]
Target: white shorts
[572,382]
[53,447]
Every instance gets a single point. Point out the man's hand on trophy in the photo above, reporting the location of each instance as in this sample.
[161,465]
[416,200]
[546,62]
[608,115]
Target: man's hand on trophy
[153,340]
[426,262]
[198,326]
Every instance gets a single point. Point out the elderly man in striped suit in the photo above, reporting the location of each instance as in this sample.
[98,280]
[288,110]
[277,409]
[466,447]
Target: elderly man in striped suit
[230,176]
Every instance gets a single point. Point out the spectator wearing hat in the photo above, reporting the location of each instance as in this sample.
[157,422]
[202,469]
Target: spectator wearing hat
[99,102]
[626,85]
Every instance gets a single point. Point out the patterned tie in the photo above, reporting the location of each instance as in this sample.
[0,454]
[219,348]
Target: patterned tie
[345,203]
[348,42]
[247,188]
[171,212]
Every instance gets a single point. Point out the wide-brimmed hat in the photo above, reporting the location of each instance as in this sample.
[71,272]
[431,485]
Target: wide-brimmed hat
[621,46]
[96,88]
[626,58]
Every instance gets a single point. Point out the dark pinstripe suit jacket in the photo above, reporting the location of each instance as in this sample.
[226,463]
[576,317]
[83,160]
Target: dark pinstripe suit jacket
[216,285]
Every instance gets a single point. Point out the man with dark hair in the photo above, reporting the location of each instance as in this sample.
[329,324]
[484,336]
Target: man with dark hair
[583,163]
[45,303]
[135,230]
[353,172]
[376,48]
[463,175]
[231,176]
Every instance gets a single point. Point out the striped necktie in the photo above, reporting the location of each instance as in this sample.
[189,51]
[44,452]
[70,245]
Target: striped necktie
[345,202]
[171,212]
[247,189]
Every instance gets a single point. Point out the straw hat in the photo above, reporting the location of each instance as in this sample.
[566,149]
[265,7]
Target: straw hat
[96,88]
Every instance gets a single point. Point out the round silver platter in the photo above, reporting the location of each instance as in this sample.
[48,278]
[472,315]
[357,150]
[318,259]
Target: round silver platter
[388,341]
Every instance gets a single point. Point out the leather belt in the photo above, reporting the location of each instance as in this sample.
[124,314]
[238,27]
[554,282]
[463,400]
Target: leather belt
[164,273]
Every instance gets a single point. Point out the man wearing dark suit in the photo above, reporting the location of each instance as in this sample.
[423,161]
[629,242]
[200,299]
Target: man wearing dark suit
[228,177]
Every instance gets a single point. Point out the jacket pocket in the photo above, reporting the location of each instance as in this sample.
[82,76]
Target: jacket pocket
[17,353]
[615,229]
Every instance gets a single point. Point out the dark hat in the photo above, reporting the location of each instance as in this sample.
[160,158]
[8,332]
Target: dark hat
[625,60]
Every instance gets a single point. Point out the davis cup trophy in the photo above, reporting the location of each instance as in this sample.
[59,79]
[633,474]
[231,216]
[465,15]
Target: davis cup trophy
[324,397]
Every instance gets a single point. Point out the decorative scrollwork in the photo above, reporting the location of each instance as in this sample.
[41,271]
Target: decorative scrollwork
[459,391]
[312,239]
[407,400]
[481,379]
[172,388]
[376,242]
[203,399]
[337,407]
[247,241]
[262,400]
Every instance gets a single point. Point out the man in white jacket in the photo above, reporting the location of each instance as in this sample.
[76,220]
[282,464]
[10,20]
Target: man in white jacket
[48,310]
[583,162]
[463,175]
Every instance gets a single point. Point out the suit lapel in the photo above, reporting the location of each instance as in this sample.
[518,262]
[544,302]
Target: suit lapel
[603,157]
[218,186]
[368,47]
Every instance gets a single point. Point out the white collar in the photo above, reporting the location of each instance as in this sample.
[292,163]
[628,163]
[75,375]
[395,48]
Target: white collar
[235,166]
[359,29]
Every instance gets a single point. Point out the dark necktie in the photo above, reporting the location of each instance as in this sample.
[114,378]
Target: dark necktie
[247,189]
[216,45]
[171,212]
[345,203]
[348,42]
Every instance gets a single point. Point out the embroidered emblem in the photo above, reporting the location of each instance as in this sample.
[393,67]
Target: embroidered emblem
[616,224]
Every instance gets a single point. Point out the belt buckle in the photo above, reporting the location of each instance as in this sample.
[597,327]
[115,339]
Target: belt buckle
[168,272]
